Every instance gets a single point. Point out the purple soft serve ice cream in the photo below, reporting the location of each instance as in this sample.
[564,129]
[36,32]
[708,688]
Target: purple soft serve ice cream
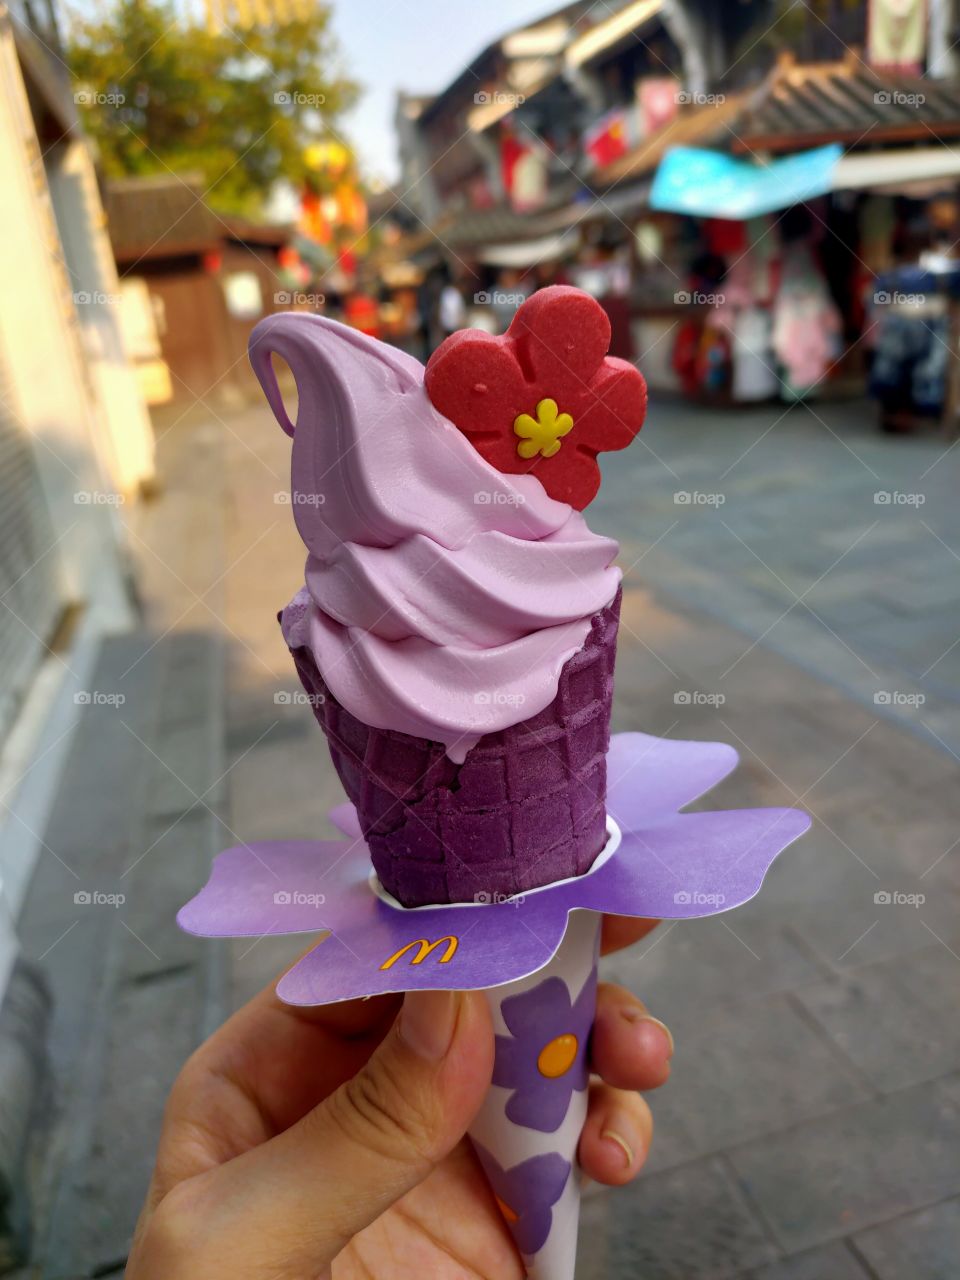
[442,598]
[456,630]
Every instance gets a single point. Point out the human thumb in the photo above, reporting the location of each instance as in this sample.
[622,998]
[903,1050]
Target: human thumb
[290,1205]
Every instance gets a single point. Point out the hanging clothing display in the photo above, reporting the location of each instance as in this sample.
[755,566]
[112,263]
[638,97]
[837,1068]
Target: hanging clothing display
[765,323]
[897,35]
[754,374]
[807,327]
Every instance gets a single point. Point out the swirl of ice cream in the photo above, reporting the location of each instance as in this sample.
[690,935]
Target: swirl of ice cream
[442,598]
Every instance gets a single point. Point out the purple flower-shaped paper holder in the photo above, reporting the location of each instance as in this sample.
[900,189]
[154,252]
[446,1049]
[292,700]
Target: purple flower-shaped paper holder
[658,863]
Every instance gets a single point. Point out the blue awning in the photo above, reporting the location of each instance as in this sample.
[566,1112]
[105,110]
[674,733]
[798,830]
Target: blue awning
[712,184]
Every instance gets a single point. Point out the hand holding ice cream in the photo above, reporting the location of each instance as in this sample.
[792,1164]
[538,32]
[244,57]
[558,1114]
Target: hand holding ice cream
[456,636]
[299,1139]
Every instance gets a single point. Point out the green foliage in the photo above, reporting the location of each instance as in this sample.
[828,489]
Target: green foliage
[236,106]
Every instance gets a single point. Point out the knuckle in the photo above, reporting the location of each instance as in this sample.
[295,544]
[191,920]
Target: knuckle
[191,1080]
[173,1232]
[614,995]
[376,1110]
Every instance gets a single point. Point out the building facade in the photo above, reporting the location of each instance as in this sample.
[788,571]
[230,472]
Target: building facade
[75,439]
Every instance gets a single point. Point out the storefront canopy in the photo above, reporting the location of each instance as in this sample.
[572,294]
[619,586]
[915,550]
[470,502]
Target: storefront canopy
[896,169]
[528,253]
[713,184]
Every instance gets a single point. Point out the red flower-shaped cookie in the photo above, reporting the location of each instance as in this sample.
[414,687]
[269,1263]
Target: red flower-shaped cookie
[545,398]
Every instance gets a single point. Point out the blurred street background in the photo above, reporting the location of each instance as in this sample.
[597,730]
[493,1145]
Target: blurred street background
[766,199]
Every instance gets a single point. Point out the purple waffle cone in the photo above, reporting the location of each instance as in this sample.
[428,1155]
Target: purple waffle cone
[525,808]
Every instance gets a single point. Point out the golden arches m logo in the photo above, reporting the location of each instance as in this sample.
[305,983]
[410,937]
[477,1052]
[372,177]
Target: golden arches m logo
[425,948]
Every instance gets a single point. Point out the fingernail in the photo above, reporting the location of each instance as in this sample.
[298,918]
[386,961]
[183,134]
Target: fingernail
[666,1031]
[615,1136]
[428,1020]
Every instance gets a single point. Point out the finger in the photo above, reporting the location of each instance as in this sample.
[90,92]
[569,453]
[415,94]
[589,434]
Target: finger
[262,1071]
[623,931]
[282,1056]
[629,1048]
[616,1136]
[289,1206]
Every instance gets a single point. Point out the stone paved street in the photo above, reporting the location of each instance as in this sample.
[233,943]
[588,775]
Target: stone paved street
[838,545]
[811,1127]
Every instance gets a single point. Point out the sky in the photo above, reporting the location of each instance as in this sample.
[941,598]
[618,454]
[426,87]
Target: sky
[417,45]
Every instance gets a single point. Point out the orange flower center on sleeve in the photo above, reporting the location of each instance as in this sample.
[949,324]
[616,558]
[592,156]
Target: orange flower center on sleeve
[557,1057]
[507,1212]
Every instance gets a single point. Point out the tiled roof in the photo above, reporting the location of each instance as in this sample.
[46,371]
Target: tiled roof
[805,105]
[472,77]
[159,217]
[849,102]
[269,234]
[501,225]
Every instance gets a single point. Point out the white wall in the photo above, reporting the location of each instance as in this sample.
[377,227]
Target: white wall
[125,436]
[73,394]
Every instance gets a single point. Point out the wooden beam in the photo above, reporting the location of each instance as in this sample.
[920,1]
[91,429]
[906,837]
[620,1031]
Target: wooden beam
[868,136]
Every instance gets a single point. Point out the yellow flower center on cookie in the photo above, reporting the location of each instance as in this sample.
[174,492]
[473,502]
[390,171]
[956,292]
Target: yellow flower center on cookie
[542,434]
[557,1057]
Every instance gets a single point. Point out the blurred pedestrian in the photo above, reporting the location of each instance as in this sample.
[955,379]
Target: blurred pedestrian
[452,309]
[443,308]
[508,293]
